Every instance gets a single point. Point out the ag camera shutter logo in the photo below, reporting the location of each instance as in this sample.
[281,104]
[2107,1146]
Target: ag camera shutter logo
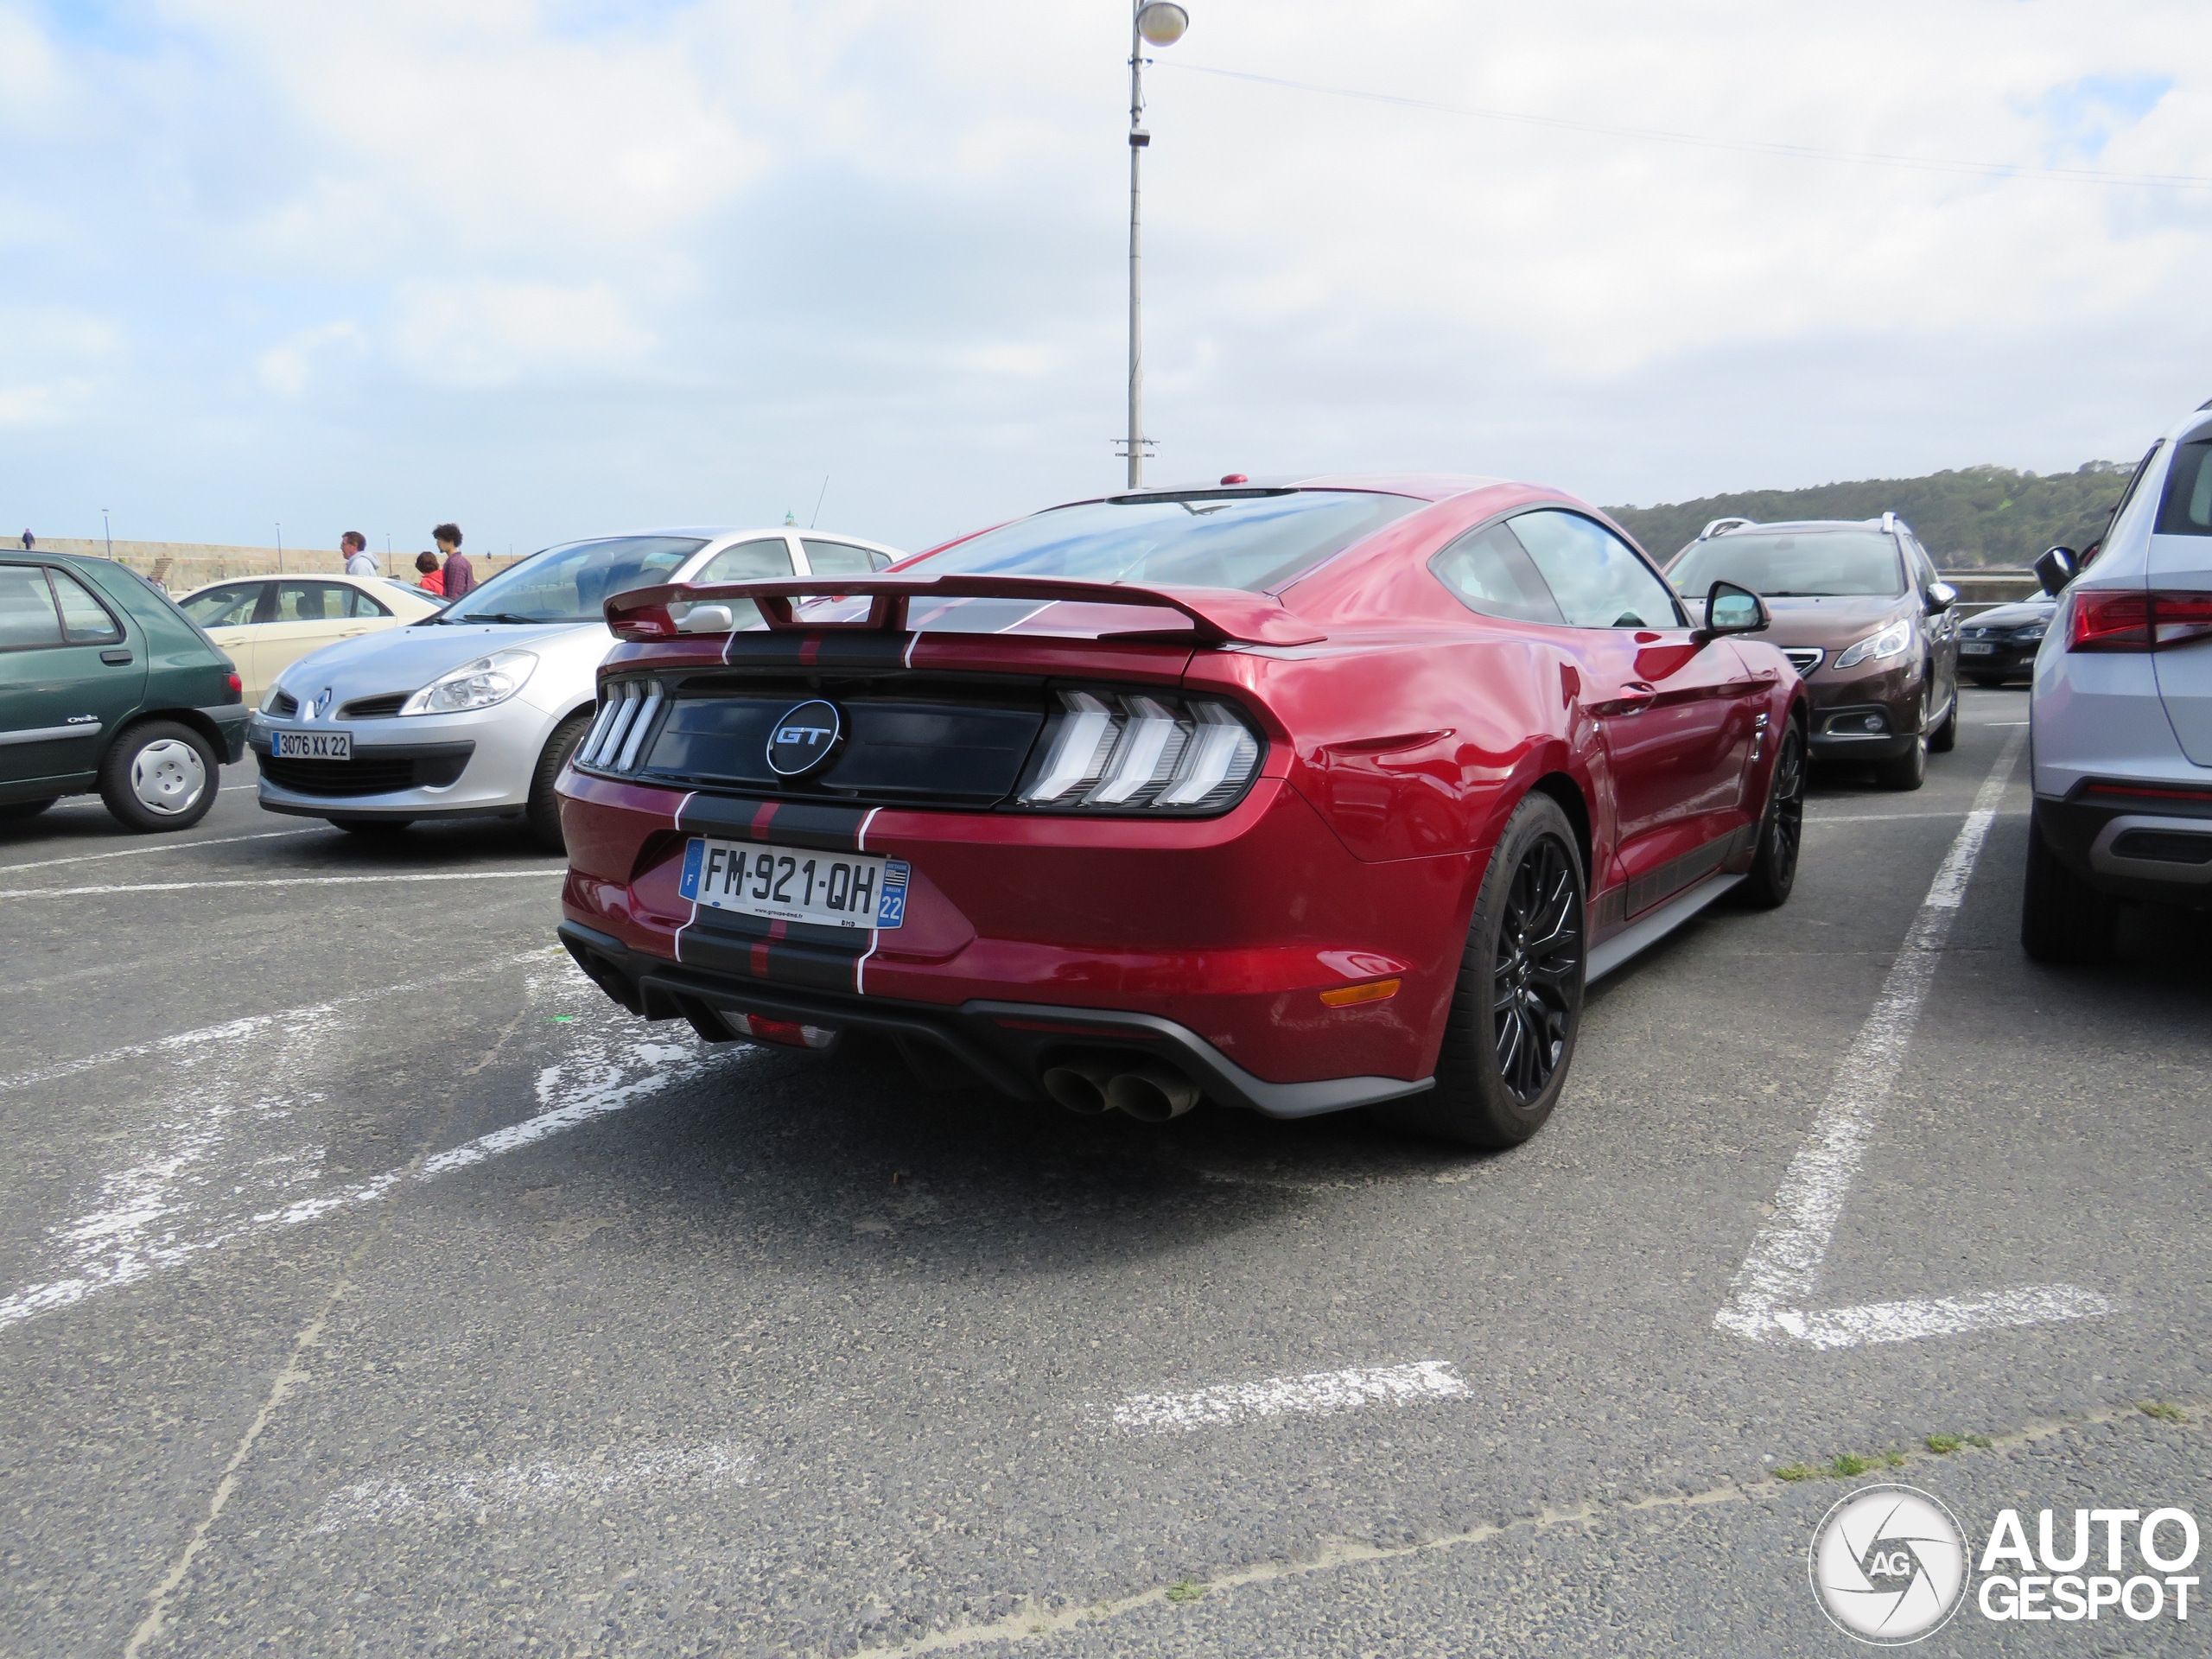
[1889,1564]
[803,738]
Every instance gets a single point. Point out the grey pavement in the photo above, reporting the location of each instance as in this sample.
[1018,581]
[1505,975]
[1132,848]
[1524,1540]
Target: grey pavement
[369,1284]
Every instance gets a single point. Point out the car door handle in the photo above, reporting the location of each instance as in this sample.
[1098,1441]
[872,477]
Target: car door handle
[1635,697]
[118,658]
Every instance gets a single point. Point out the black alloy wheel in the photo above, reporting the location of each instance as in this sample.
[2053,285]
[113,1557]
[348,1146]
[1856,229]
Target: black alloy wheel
[1782,831]
[1509,1036]
[1536,987]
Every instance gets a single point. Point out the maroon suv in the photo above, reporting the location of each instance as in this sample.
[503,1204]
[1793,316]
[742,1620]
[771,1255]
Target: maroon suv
[1859,609]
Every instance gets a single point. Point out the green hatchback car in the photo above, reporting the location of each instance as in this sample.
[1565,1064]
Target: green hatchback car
[106,685]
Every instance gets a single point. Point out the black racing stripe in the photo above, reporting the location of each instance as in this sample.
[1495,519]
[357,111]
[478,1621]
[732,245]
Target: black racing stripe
[736,929]
[773,961]
[783,823]
[832,648]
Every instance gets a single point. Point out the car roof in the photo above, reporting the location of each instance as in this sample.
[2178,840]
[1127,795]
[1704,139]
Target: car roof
[1811,523]
[1422,486]
[722,533]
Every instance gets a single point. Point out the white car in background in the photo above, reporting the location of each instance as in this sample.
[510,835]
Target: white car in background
[265,624]
[2121,715]
[473,712]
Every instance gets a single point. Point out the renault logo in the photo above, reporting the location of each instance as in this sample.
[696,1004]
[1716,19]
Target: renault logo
[803,739]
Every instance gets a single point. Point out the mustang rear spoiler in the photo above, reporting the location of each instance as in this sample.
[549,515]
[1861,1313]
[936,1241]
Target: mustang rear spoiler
[1217,615]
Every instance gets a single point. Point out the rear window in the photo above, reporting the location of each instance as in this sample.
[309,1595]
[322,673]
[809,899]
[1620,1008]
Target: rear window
[1792,563]
[2187,509]
[1257,543]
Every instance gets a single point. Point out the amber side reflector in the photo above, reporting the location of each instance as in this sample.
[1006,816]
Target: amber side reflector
[1351,996]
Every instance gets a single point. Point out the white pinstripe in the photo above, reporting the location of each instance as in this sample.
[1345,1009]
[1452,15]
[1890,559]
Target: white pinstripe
[678,826]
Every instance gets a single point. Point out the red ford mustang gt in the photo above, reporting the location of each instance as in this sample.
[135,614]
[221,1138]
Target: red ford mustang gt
[1297,795]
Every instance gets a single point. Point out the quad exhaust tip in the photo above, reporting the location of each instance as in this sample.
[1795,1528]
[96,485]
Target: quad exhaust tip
[1151,1093]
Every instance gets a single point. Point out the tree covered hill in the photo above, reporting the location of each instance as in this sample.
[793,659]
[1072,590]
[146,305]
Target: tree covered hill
[1977,515]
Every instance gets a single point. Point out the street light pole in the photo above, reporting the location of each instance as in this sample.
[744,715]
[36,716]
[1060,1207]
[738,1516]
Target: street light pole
[280,550]
[107,535]
[1156,23]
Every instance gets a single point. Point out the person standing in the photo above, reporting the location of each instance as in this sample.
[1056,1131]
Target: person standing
[460,575]
[29,541]
[354,547]
[428,577]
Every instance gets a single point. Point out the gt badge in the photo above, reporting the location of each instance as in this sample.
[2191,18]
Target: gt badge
[803,738]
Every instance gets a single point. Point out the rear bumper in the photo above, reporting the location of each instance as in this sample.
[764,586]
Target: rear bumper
[230,721]
[1009,1044]
[2157,852]
[1226,929]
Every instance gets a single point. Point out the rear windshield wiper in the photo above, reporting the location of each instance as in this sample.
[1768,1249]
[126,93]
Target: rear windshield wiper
[497,616]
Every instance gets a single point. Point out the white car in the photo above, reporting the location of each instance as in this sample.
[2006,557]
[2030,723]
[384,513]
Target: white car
[2120,716]
[473,712]
[265,624]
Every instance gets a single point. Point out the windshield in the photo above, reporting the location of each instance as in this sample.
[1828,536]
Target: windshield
[1793,564]
[570,584]
[1256,543]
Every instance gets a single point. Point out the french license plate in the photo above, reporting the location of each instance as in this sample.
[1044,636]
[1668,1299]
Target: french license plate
[1977,651]
[311,745]
[796,884]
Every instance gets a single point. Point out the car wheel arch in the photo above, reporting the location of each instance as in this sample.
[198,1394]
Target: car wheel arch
[191,717]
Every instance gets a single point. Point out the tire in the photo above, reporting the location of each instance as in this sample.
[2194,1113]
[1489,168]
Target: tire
[16,811]
[1945,738]
[1774,865]
[1987,682]
[545,812]
[1910,770]
[2063,920]
[1505,1058]
[160,775]
[375,828]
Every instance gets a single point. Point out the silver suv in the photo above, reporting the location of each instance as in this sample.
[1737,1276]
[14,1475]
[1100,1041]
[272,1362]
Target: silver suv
[2121,718]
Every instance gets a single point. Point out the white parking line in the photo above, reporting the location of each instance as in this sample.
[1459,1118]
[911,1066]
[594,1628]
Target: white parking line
[427,1496]
[231,1031]
[197,1182]
[276,882]
[1319,1393]
[162,847]
[1768,1299]
[1892,817]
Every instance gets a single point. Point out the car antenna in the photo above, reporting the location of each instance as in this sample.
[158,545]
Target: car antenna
[816,519]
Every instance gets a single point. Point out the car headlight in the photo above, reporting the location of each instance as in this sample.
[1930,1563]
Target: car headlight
[479,684]
[1892,641]
[2027,635]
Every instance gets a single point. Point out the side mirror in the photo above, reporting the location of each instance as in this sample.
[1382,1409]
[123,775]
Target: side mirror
[1732,609]
[2055,567]
[1940,597]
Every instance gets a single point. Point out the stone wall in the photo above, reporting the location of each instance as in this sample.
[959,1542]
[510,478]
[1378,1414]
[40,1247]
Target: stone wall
[183,566]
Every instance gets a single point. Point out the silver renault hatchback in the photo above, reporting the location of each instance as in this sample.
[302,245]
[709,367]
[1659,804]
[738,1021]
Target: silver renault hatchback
[473,712]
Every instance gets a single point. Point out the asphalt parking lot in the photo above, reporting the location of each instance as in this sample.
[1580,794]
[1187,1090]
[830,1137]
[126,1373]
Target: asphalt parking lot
[373,1285]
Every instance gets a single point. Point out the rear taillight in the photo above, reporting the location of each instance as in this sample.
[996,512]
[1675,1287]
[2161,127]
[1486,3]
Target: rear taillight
[1141,752]
[237,689]
[617,736]
[2120,620]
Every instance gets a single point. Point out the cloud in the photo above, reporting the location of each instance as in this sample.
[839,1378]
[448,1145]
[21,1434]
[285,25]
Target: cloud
[562,265]
[481,333]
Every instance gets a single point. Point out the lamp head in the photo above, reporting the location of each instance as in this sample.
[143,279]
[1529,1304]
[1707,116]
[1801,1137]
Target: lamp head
[1162,23]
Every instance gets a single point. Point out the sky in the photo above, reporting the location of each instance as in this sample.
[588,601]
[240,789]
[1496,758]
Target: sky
[555,269]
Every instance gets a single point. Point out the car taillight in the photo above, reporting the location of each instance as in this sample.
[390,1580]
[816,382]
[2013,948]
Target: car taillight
[2115,619]
[237,689]
[1141,752]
